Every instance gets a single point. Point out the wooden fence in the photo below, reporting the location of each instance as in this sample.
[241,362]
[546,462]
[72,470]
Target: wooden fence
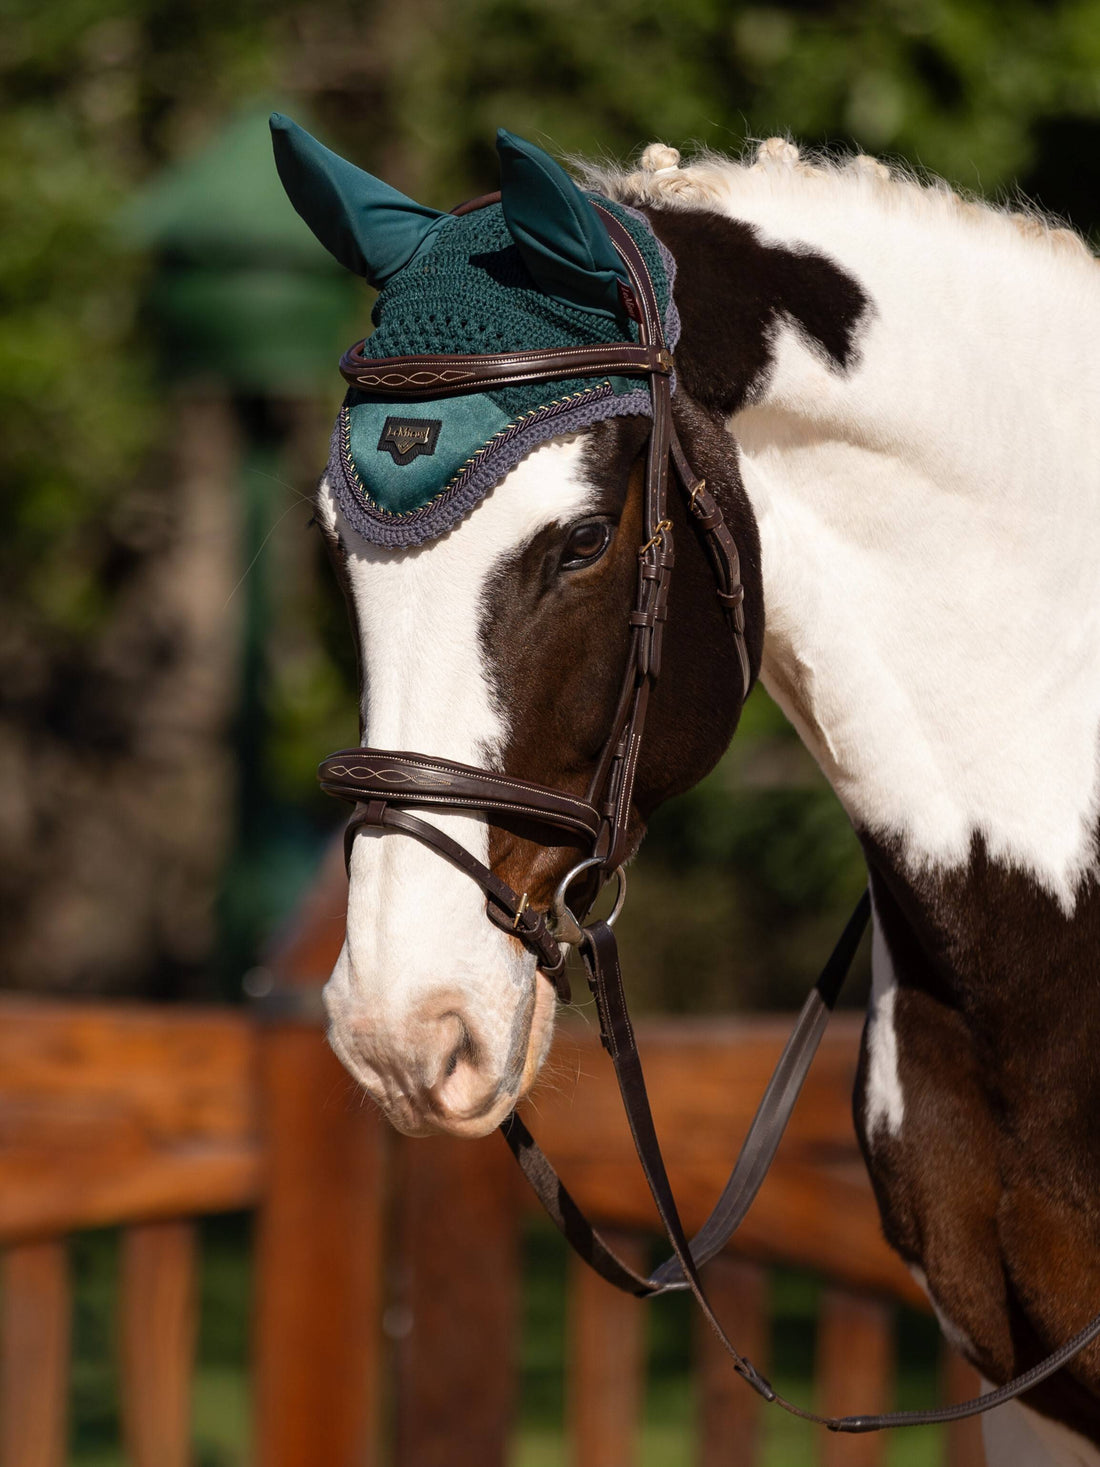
[148,1118]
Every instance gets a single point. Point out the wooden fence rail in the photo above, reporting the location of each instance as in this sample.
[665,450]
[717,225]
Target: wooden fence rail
[387,1272]
[147,1118]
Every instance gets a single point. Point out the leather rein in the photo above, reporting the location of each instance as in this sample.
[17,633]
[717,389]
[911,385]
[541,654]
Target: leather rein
[383,784]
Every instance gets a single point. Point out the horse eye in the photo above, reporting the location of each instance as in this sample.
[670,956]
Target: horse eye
[586,543]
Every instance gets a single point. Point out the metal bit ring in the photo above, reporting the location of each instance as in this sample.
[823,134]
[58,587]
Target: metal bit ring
[563,924]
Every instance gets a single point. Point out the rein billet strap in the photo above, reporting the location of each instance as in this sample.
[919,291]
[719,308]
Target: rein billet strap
[382,783]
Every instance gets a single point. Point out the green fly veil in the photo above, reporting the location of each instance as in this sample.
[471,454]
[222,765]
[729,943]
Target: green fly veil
[535,271]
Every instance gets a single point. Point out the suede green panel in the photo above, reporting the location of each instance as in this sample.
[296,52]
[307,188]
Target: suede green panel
[466,424]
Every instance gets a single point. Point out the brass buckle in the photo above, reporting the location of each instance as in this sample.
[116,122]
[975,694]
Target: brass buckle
[519,911]
[655,538]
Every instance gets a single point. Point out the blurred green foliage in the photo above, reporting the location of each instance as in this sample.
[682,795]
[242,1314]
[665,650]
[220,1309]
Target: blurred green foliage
[957,86]
[101,97]
[95,96]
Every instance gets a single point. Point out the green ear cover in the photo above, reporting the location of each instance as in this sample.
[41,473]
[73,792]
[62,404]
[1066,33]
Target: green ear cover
[368,226]
[559,234]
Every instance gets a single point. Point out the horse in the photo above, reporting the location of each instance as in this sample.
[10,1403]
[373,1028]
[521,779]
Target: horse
[886,388]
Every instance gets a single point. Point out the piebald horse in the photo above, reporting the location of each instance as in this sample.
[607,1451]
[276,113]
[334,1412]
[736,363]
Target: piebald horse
[891,393]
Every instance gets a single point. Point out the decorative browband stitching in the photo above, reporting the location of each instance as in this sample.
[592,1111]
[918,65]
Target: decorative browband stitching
[442,375]
[360,775]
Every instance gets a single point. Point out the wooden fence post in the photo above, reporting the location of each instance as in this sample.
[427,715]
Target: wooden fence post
[606,1362]
[34,1355]
[157,1317]
[730,1412]
[319,1246]
[455,1316]
[855,1372]
[963,1439]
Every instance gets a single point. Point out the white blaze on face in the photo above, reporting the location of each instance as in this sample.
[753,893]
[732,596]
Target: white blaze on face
[433,1008]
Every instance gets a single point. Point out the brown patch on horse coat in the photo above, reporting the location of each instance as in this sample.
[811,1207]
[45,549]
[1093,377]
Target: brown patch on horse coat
[556,642]
[735,292]
[993,1184]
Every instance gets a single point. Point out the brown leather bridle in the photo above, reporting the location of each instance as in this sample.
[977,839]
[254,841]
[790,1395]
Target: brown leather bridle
[382,784]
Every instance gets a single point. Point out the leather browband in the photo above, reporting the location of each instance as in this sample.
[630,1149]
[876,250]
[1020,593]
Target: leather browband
[443,376]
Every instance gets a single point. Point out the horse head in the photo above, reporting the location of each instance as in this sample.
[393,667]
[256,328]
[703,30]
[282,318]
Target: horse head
[491,536]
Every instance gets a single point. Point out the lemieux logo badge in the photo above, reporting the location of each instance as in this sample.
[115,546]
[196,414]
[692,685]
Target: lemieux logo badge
[406,438]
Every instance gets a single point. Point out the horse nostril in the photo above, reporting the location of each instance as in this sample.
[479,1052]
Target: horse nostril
[464,1052]
[463,1088]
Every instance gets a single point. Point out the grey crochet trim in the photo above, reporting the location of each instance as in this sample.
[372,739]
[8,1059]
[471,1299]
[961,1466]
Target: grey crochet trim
[499,457]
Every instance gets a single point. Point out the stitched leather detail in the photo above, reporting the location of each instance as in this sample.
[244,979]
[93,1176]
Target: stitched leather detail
[391,776]
[396,381]
[410,779]
[439,376]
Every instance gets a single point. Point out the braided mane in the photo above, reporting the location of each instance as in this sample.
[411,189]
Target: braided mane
[709,178]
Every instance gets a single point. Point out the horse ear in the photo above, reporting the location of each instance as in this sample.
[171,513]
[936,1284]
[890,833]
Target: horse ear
[560,236]
[371,228]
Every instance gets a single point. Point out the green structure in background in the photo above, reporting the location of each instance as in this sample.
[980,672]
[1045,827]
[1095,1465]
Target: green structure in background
[242,296]
[244,305]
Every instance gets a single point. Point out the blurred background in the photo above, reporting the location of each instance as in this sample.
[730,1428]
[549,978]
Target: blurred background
[174,656]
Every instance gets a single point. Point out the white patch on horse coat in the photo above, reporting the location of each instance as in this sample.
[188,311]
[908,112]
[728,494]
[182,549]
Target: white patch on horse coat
[418,940]
[930,532]
[883,1098]
[1016,1436]
[930,522]
[950,1330]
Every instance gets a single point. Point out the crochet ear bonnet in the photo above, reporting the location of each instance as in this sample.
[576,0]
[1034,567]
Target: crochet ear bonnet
[535,271]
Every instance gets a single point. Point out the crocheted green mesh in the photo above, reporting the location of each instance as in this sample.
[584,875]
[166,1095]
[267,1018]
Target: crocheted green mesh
[470,292]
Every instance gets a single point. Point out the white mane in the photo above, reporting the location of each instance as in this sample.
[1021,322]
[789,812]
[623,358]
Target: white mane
[778,166]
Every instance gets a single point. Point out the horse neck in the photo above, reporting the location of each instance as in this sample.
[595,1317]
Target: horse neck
[930,528]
